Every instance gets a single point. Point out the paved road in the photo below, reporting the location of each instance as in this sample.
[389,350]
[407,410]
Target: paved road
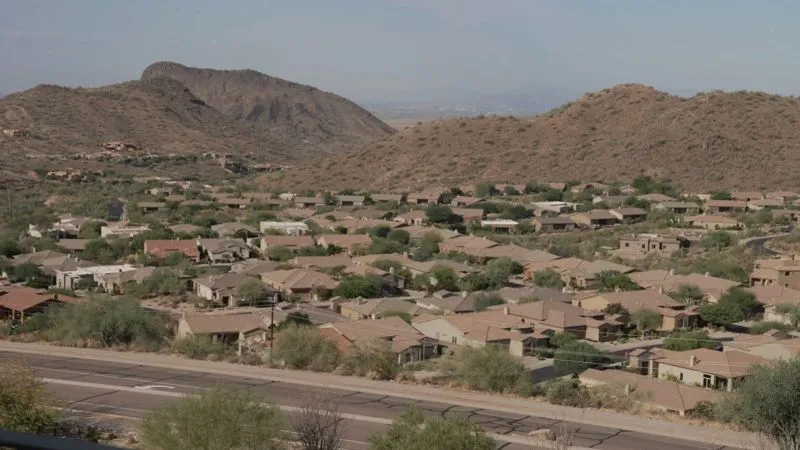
[756,244]
[115,388]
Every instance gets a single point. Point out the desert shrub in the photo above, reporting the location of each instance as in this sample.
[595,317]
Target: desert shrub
[413,431]
[25,402]
[301,347]
[199,347]
[490,368]
[568,392]
[374,359]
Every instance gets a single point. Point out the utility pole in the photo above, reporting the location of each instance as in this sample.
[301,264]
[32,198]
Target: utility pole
[272,326]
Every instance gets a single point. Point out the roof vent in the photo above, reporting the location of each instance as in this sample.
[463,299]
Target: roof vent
[692,360]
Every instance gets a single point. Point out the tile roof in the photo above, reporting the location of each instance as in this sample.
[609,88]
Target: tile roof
[299,279]
[728,364]
[226,323]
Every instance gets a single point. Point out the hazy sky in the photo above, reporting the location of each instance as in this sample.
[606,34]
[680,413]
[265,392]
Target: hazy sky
[411,49]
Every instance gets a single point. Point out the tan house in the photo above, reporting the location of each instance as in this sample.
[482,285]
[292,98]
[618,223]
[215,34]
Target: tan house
[713,223]
[322,262]
[347,242]
[234,229]
[674,315]
[629,215]
[116,282]
[416,217]
[766,203]
[387,198]
[288,241]
[466,244]
[230,328]
[374,308]
[222,288]
[350,200]
[463,201]
[776,272]
[446,302]
[575,272]
[645,244]
[678,208]
[500,225]
[557,224]
[725,206]
[514,252]
[655,197]
[666,395]
[551,317]
[747,196]
[596,218]
[424,198]
[668,281]
[408,343]
[223,250]
[305,284]
[711,369]
[20,302]
[470,215]
[773,347]
[778,301]
[308,202]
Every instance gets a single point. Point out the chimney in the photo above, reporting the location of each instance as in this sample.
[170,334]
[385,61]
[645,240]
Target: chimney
[616,289]
[672,271]
[506,311]
[391,270]
[627,389]
[707,274]
[661,289]
[463,294]
[692,360]
[563,289]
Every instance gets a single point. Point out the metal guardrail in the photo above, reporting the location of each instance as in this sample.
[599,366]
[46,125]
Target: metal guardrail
[30,441]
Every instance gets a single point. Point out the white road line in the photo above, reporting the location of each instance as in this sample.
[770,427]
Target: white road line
[117,377]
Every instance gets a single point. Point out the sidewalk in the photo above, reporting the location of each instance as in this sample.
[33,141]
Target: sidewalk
[602,418]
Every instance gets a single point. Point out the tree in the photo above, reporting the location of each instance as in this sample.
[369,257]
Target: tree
[382,246]
[612,280]
[646,320]
[440,214]
[368,286]
[615,308]
[485,189]
[374,358]
[744,300]
[280,253]
[499,270]
[26,404]
[380,231]
[491,368]
[717,240]
[428,246]
[443,278]
[401,314]
[766,403]
[319,424]
[510,190]
[689,340]
[412,431]
[562,338]
[9,248]
[252,292]
[302,347]
[721,314]
[484,300]
[575,357]
[215,419]
[548,278]
[721,195]
[399,235]
[688,294]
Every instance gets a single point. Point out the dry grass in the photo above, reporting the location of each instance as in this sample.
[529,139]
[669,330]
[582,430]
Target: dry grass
[710,141]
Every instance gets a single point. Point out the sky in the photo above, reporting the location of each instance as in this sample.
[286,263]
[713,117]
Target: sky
[392,50]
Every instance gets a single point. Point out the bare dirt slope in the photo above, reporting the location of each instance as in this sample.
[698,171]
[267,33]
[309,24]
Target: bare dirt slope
[711,141]
[294,115]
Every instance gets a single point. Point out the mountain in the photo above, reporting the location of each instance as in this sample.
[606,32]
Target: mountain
[159,115]
[710,141]
[293,115]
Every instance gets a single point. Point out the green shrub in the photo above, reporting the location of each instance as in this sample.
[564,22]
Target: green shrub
[302,347]
[199,347]
[568,392]
[375,359]
[490,368]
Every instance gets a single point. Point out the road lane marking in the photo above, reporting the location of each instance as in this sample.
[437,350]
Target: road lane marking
[147,387]
[117,377]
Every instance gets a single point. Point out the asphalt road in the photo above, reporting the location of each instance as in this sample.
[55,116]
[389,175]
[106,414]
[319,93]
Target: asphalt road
[132,390]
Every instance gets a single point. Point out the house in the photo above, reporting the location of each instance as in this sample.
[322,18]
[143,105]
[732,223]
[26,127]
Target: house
[71,279]
[115,210]
[289,228]
[322,262]
[596,218]
[725,206]
[711,369]
[374,308]
[668,281]
[304,284]
[629,215]
[469,215]
[655,197]
[776,272]
[224,288]
[771,346]
[518,294]
[767,203]
[234,229]
[73,245]
[148,207]
[424,198]
[481,329]
[557,224]
[416,217]
[779,302]
[50,261]
[347,242]
[465,244]
[746,196]
[678,208]
[122,230]
[447,302]
[387,198]
[350,200]
[229,328]
[18,303]
[223,250]
[575,272]
[116,282]
[666,395]
[67,226]
[308,202]
[291,242]
[233,202]
[640,245]
[551,317]
[713,223]
[500,225]
[417,232]
[578,188]
[353,226]
[254,267]
[674,315]
[514,252]
[163,248]
[420,267]
[408,343]
[464,201]
[550,208]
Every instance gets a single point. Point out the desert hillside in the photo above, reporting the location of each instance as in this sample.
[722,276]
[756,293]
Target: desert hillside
[711,141]
[297,116]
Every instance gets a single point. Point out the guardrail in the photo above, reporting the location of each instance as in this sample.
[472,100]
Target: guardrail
[30,441]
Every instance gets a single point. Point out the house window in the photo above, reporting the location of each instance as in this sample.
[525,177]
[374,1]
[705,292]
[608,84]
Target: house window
[680,377]
[786,273]
[627,244]
[706,381]
[453,340]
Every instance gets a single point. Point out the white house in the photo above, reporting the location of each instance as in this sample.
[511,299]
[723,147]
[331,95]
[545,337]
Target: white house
[122,231]
[290,228]
[69,279]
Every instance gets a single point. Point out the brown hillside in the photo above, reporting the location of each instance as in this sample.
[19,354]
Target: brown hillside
[297,116]
[710,141]
[159,115]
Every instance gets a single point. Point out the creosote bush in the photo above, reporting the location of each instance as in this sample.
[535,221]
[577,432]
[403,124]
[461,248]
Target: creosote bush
[302,347]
